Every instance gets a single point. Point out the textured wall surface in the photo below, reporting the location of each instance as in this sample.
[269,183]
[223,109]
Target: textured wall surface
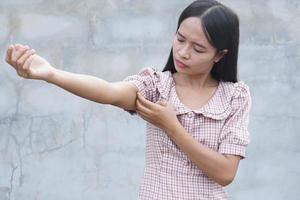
[54,145]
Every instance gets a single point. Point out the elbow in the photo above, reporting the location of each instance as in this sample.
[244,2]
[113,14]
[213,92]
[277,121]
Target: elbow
[224,183]
[226,180]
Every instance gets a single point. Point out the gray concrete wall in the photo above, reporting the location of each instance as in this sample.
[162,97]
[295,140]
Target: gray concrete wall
[54,145]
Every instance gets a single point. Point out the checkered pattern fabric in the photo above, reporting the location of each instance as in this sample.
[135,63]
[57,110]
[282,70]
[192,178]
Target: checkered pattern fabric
[221,124]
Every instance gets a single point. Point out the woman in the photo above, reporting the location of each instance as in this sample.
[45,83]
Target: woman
[197,112]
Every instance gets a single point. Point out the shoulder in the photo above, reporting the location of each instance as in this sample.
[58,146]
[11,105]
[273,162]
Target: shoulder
[153,79]
[163,79]
[146,74]
[237,94]
[232,90]
[154,72]
[229,98]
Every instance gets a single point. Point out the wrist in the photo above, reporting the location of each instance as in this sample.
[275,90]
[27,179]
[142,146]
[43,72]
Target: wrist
[52,75]
[174,128]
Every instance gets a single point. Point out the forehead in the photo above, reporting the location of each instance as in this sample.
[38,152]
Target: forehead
[192,29]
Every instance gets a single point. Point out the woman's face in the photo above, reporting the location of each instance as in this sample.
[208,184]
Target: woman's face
[192,53]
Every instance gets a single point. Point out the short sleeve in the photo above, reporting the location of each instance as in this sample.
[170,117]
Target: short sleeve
[146,82]
[234,137]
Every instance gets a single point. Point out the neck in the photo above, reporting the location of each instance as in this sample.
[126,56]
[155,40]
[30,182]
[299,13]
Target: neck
[198,81]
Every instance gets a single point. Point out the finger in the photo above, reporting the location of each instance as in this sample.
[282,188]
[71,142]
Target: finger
[19,74]
[27,64]
[143,114]
[19,46]
[25,56]
[18,53]
[145,117]
[140,107]
[15,55]
[162,103]
[8,53]
[18,63]
[146,103]
[25,71]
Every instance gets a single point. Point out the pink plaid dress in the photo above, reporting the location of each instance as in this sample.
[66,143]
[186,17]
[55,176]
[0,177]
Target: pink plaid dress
[221,124]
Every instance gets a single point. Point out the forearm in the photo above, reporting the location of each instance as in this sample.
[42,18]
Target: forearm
[213,164]
[85,86]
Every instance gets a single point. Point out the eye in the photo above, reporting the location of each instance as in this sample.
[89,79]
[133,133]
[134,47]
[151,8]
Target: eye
[198,51]
[179,40]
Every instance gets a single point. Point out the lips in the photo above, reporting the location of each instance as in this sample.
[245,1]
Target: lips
[180,64]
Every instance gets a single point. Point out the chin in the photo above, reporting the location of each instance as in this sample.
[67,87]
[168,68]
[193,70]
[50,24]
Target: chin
[178,69]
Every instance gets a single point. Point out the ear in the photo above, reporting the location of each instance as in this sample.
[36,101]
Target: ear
[220,55]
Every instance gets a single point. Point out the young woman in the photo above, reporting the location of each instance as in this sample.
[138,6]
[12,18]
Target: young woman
[197,112]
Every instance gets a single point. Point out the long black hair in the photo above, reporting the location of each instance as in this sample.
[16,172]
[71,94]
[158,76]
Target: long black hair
[221,28]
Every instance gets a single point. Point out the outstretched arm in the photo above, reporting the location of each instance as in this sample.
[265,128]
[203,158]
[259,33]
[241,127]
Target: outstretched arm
[32,66]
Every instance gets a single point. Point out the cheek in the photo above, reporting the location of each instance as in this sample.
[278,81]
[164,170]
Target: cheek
[203,58]
[201,62]
[174,46]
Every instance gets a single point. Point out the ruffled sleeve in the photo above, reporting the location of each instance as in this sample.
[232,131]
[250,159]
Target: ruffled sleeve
[234,137]
[146,81]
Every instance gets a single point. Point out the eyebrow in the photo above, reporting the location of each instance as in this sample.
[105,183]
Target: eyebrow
[200,45]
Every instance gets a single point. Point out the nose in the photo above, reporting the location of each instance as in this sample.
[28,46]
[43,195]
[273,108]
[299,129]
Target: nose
[184,52]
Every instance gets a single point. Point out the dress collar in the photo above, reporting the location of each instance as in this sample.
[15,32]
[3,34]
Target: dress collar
[218,107]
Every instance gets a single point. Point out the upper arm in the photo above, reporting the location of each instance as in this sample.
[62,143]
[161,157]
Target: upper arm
[124,92]
[234,136]
[124,95]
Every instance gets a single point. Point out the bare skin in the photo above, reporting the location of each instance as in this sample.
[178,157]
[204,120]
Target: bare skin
[29,65]
[194,78]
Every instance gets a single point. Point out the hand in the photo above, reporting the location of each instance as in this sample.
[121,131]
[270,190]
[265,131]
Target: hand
[160,114]
[27,63]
